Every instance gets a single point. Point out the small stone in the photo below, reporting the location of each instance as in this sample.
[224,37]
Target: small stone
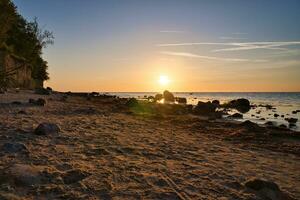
[14,148]
[269,123]
[16,103]
[216,102]
[267,189]
[257,184]
[31,101]
[282,126]
[40,102]
[22,112]
[75,175]
[236,116]
[291,120]
[47,129]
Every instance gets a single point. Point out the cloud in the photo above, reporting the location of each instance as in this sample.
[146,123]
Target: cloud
[171,31]
[239,33]
[191,55]
[231,38]
[238,46]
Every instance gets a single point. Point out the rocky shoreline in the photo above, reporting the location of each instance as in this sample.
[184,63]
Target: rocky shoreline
[78,146]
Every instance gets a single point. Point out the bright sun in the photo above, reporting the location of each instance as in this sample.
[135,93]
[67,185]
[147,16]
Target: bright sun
[164,80]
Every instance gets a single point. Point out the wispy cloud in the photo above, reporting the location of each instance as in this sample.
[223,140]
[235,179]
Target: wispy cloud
[171,31]
[239,45]
[231,38]
[239,33]
[191,55]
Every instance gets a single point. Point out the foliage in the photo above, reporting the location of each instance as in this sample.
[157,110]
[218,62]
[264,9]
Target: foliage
[24,39]
[7,18]
[4,80]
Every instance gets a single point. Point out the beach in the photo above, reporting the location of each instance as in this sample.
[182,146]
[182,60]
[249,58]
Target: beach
[103,150]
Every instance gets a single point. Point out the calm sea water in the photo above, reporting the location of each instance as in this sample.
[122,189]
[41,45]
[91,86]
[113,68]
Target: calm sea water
[284,102]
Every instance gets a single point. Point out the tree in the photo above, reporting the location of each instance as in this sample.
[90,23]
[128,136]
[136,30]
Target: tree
[7,18]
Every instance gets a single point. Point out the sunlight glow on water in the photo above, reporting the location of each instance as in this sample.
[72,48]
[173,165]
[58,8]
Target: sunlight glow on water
[284,102]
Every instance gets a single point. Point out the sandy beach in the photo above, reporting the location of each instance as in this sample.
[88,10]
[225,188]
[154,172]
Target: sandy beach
[104,151]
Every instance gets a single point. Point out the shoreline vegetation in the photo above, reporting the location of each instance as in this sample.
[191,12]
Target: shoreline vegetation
[95,146]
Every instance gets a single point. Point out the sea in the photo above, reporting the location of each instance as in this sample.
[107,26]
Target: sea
[283,102]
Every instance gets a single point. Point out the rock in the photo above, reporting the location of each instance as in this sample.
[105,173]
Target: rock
[151,98]
[64,98]
[73,176]
[267,189]
[23,174]
[242,105]
[269,123]
[40,102]
[2,91]
[263,119]
[22,112]
[158,97]
[236,116]
[282,116]
[251,126]
[276,115]
[283,126]
[94,94]
[16,103]
[257,184]
[168,96]
[216,102]
[31,101]
[181,100]
[49,89]
[292,125]
[42,91]
[132,102]
[291,120]
[47,129]
[14,148]
[203,108]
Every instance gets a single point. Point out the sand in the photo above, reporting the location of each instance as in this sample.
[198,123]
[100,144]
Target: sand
[105,152]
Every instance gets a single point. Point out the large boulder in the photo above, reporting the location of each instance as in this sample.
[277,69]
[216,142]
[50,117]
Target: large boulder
[47,129]
[168,96]
[181,100]
[205,108]
[158,97]
[242,105]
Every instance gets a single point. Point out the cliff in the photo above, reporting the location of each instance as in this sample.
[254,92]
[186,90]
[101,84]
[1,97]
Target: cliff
[17,71]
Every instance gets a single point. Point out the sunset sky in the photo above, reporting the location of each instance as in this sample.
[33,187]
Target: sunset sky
[199,45]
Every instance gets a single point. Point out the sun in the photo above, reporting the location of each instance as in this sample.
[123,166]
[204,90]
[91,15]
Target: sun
[164,80]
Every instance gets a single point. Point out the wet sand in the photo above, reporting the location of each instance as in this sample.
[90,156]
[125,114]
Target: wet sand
[103,151]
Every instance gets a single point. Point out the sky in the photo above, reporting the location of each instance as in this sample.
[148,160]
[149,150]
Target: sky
[199,45]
